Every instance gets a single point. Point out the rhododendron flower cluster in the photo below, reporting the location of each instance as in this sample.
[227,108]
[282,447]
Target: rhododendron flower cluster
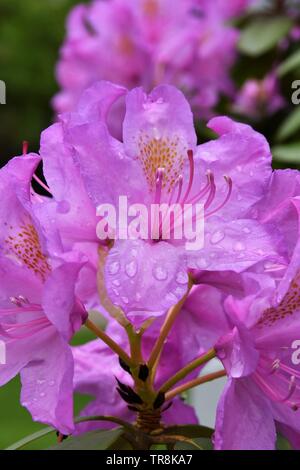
[169,310]
[190,44]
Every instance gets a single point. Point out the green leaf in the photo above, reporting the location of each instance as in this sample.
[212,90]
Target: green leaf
[28,439]
[263,34]
[95,440]
[200,444]
[291,63]
[282,443]
[120,444]
[290,126]
[289,153]
[190,431]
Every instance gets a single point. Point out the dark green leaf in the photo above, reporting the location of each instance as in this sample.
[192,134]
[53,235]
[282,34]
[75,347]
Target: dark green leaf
[120,444]
[291,63]
[95,440]
[290,126]
[289,153]
[282,443]
[199,443]
[190,431]
[263,34]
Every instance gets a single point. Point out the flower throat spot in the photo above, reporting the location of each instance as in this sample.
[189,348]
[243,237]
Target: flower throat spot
[25,245]
[161,153]
[289,304]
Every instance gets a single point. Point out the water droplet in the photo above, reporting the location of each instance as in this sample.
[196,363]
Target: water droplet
[202,263]
[182,277]
[40,381]
[114,267]
[138,296]
[171,298]
[125,300]
[179,292]
[217,237]
[239,246]
[116,292]
[116,283]
[239,168]
[63,207]
[246,230]
[52,383]
[42,394]
[221,354]
[131,268]
[160,273]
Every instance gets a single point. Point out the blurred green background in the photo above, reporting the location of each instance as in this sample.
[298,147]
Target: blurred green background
[31,33]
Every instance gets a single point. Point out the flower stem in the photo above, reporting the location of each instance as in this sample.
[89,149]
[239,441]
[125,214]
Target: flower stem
[165,330]
[194,383]
[188,369]
[110,342]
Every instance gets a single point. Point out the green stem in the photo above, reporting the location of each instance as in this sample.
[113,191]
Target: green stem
[194,383]
[188,369]
[110,342]
[165,330]
[44,432]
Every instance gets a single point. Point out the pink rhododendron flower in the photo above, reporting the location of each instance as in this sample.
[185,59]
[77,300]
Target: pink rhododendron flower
[252,321]
[146,42]
[259,97]
[39,311]
[157,162]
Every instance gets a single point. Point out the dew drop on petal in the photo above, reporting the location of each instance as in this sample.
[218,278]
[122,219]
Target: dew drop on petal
[217,237]
[125,300]
[246,230]
[202,263]
[116,283]
[131,268]
[51,383]
[182,277]
[239,246]
[160,273]
[114,267]
[221,354]
[40,381]
[42,394]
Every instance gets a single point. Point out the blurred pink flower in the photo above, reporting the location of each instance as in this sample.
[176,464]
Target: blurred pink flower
[259,98]
[147,42]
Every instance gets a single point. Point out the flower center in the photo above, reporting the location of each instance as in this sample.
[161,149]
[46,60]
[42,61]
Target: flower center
[282,381]
[287,307]
[166,153]
[23,243]
[23,329]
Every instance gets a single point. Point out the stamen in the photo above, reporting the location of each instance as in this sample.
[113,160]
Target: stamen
[203,191]
[35,177]
[229,182]
[178,188]
[25,147]
[212,192]
[158,184]
[190,154]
